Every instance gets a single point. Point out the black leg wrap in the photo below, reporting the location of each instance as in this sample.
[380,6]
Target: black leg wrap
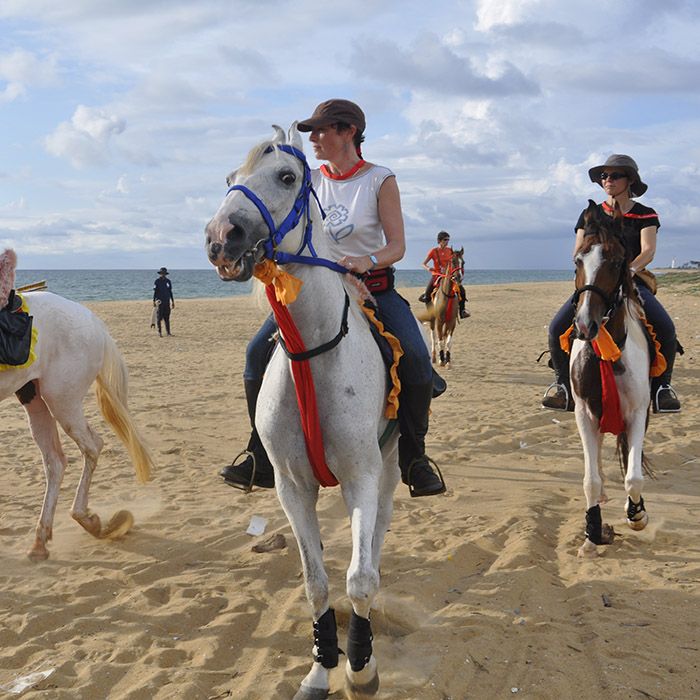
[634,508]
[594,525]
[326,640]
[359,642]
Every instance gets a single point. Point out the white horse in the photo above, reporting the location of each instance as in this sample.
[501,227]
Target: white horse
[605,297]
[350,389]
[73,349]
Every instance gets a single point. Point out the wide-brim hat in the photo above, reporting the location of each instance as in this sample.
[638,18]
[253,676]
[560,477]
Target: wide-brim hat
[627,165]
[163,271]
[332,111]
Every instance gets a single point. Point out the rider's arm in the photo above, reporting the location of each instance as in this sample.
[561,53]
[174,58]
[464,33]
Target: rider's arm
[427,260]
[391,218]
[647,238]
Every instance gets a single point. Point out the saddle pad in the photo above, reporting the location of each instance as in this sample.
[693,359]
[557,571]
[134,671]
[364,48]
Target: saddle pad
[391,351]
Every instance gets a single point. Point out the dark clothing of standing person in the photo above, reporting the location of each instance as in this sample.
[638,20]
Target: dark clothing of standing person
[163,292]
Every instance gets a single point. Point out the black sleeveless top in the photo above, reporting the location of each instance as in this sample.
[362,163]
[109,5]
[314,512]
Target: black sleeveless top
[637,218]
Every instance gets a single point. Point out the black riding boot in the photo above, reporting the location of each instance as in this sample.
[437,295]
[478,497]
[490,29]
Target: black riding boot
[558,395]
[255,469]
[427,294]
[663,397]
[463,313]
[414,406]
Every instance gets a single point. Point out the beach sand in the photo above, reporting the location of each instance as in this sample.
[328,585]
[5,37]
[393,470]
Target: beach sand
[482,594]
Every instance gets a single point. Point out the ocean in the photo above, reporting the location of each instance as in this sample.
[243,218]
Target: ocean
[129,285]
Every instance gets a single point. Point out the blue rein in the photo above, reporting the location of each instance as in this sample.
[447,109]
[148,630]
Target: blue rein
[291,221]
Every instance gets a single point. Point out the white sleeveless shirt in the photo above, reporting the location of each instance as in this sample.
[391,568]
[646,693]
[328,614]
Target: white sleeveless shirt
[352,215]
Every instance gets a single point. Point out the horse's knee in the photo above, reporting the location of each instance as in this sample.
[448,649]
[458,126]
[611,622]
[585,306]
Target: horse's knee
[362,586]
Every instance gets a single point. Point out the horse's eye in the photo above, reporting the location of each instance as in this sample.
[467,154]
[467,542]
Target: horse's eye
[288,177]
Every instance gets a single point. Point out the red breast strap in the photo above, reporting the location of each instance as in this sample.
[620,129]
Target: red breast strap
[305,391]
[611,420]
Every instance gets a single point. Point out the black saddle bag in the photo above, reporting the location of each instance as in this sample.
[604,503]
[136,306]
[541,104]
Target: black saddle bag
[15,335]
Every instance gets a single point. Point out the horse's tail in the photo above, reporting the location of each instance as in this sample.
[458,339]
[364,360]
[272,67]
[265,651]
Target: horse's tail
[425,314]
[622,453]
[111,390]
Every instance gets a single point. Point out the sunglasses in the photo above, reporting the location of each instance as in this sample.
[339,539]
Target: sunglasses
[612,176]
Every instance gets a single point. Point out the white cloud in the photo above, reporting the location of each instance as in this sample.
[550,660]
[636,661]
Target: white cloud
[84,140]
[20,69]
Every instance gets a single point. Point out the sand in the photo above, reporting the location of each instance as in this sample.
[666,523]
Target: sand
[482,593]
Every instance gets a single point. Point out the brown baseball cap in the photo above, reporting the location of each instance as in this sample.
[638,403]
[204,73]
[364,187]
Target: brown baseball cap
[332,111]
[618,161]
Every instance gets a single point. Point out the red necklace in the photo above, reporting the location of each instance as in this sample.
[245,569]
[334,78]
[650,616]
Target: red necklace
[342,176]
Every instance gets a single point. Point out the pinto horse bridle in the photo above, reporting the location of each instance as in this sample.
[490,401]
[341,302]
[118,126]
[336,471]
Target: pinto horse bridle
[612,300]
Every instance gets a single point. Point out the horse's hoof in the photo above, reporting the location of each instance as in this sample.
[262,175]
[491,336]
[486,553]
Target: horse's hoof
[89,522]
[38,553]
[364,683]
[588,550]
[607,534]
[639,524]
[306,693]
[120,523]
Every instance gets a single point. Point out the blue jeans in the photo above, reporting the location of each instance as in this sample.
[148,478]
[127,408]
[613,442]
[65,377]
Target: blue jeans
[394,312]
[656,315]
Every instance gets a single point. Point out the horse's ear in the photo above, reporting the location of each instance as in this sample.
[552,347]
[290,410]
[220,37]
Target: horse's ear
[280,136]
[591,213]
[294,137]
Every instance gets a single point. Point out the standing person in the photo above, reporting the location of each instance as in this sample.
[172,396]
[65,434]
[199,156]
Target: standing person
[638,226]
[163,299]
[441,257]
[364,224]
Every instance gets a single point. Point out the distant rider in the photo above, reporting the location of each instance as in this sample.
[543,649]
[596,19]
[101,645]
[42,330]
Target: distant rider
[441,256]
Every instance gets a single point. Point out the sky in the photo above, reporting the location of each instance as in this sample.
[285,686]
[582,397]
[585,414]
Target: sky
[120,119]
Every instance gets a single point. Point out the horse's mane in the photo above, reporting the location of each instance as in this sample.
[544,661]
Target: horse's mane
[254,156]
[605,230]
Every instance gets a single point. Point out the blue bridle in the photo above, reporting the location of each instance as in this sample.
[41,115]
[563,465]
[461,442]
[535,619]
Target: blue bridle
[291,221]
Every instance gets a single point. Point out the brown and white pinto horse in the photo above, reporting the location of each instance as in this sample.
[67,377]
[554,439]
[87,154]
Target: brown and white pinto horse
[443,308]
[608,324]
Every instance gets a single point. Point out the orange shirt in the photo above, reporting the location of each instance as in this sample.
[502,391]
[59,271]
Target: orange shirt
[441,259]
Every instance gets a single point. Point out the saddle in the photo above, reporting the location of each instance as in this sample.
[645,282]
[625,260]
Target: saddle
[15,333]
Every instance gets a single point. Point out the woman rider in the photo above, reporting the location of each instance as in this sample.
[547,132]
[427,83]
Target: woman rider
[366,233]
[619,177]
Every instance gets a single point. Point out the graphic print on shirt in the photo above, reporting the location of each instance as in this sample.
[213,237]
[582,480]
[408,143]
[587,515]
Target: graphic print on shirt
[334,223]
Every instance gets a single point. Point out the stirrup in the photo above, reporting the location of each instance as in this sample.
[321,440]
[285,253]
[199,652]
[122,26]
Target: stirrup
[557,386]
[249,486]
[655,401]
[411,490]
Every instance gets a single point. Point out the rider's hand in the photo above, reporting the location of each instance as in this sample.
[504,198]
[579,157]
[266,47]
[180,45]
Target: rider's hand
[358,265]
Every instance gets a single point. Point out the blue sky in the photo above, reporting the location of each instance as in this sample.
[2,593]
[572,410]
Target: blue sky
[120,119]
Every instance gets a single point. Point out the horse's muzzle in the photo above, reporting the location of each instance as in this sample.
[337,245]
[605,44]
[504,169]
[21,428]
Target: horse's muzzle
[227,252]
[586,331]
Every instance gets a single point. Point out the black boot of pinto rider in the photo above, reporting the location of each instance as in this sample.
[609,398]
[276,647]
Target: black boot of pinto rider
[663,397]
[558,396]
[255,469]
[416,469]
